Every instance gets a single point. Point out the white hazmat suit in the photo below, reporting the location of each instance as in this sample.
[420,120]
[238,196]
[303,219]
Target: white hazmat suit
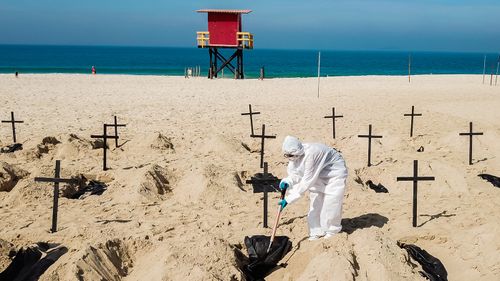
[321,170]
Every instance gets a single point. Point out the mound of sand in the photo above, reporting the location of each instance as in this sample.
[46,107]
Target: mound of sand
[363,255]
[162,143]
[156,183]
[7,251]
[9,176]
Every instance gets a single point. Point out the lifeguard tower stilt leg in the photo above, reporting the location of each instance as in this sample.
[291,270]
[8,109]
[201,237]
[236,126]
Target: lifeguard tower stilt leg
[216,56]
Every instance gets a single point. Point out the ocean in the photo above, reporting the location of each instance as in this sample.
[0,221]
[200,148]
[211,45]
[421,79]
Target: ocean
[277,63]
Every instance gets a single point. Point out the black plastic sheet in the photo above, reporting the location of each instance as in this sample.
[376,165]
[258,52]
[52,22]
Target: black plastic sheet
[378,188]
[92,188]
[259,263]
[434,270]
[490,178]
[31,262]
[12,148]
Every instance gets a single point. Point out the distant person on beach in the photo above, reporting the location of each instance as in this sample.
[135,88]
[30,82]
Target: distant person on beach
[17,74]
[93,70]
[321,170]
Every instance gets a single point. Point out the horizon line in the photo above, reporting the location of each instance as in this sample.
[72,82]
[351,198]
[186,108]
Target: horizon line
[277,49]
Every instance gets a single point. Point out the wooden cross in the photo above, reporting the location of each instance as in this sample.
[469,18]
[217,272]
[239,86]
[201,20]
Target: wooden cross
[262,137]
[105,138]
[116,125]
[370,137]
[415,179]
[267,180]
[56,180]
[13,122]
[333,119]
[251,118]
[413,114]
[470,134]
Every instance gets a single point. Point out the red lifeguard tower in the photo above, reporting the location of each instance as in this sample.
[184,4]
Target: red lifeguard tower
[224,31]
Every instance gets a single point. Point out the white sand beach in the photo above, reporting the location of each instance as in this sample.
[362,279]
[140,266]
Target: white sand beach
[177,205]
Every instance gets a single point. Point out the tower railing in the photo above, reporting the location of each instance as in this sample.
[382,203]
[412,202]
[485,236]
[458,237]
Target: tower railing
[243,39]
[203,38]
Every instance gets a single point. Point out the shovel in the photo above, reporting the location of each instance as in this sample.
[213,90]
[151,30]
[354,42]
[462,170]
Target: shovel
[276,221]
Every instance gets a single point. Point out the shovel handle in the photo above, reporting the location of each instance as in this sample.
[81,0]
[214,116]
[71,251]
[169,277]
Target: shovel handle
[273,234]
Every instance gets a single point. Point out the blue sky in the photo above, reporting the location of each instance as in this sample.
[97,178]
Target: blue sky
[429,25]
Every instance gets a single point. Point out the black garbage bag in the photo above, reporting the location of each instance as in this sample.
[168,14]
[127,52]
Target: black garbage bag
[492,179]
[12,148]
[31,262]
[377,188]
[434,269]
[92,188]
[260,263]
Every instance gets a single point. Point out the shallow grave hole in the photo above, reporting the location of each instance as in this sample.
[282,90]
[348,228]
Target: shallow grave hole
[10,176]
[156,183]
[83,188]
[110,261]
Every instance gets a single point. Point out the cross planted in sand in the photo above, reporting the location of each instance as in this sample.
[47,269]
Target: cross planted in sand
[13,122]
[413,114]
[56,180]
[415,179]
[105,138]
[370,137]
[250,113]
[116,125]
[262,138]
[266,181]
[470,134]
[333,117]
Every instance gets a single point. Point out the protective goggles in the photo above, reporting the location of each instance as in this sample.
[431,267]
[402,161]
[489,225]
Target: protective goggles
[290,156]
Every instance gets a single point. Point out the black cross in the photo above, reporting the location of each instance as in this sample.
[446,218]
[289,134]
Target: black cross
[267,181]
[13,122]
[415,179]
[370,137]
[251,118]
[470,134]
[56,180]
[105,138]
[333,119]
[413,114]
[262,137]
[116,125]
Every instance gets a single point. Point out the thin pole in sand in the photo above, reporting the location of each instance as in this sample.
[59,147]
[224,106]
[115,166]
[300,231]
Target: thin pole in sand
[470,134]
[498,67]
[13,122]
[484,68]
[265,175]
[409,68]
[262,138]
[412,114]
[56,180]
[370,137]
[415,179]
[104,137]
[333,117]
[319,69]
[251,117]
[492,72]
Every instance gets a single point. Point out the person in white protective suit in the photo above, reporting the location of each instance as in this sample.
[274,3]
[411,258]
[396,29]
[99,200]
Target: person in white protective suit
[321,170]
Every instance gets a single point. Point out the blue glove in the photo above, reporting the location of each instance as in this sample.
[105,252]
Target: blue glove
[284,184]
[282,203]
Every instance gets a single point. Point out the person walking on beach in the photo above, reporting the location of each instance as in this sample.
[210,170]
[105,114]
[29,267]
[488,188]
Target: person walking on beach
[93,70]
[321,170]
